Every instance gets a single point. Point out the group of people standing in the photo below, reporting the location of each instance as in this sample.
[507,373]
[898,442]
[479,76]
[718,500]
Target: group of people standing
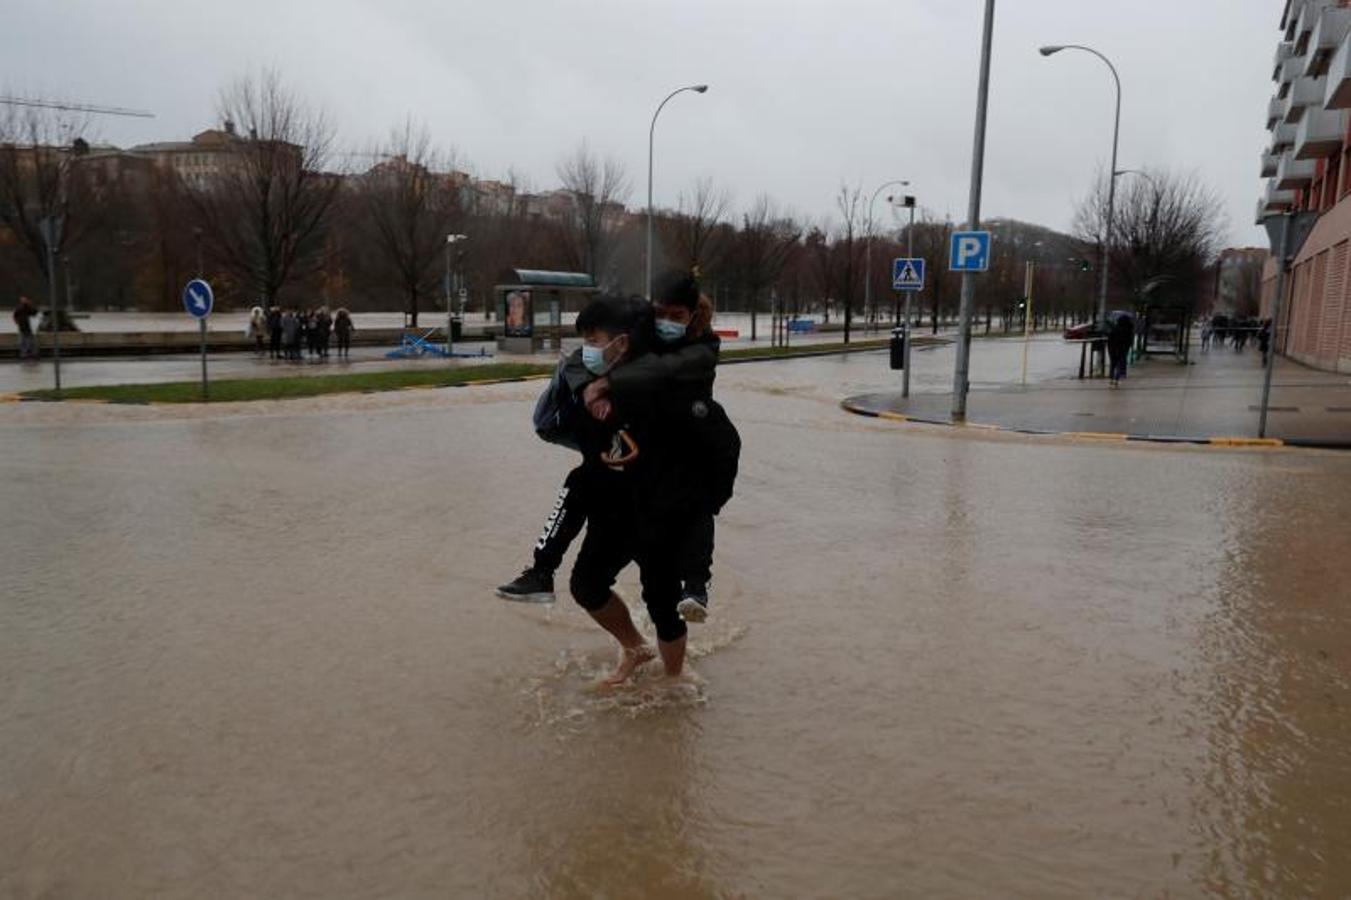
[281,332]
[1237,331]
[659,460]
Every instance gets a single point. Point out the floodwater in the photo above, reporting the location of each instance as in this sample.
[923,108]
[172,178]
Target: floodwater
[255,652]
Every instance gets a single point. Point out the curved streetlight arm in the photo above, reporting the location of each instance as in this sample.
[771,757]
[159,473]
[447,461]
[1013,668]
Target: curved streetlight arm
[1111,181]
[651,135]
[868,243]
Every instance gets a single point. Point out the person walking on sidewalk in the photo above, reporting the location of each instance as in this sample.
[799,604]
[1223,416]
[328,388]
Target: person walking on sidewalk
[23,319]
[1119,341]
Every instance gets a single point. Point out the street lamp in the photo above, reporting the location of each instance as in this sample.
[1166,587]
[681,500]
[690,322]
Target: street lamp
[451,240]
[1111,182]
[868,244]
[651,132]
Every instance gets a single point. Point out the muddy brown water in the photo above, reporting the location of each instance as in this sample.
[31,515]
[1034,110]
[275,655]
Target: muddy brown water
[255,653]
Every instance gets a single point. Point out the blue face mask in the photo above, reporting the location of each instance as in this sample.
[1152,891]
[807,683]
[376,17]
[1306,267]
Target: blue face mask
[669,331]
[594,358]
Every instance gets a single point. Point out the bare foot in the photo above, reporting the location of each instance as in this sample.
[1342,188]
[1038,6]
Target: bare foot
[630,658]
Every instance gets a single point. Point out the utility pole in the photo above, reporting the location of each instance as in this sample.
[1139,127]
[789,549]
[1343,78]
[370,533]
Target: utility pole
[49,228]
[910,254]
[960,380]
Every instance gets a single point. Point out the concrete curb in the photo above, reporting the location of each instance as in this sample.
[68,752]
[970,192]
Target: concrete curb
[1089,436]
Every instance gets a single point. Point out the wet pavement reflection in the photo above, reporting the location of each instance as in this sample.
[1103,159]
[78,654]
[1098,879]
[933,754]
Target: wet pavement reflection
[253,651]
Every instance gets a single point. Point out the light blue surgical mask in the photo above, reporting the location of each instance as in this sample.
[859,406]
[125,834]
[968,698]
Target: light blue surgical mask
[594,358]
[669,330]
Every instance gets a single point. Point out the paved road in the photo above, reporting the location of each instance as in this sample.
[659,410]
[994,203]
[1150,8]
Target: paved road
[251,650]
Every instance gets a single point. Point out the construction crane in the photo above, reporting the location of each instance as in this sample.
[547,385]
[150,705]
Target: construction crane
[77,107]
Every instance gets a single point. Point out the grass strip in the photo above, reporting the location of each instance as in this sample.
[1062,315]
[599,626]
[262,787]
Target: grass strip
[235,390]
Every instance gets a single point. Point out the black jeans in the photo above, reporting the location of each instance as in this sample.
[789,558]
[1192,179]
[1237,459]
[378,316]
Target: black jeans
[565,520]
[696,553]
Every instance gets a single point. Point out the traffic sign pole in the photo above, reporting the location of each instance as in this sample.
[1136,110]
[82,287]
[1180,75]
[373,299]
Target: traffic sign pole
[960,381]
[203,324]
[198,302]
[905,348]
[1027,312]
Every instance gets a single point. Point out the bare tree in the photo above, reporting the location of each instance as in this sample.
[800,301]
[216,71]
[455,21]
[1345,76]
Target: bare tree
[410,204]
[763,246]
[597,191]
[849,249]
[693,231]
[1167,229]
[40,150]
[264,214]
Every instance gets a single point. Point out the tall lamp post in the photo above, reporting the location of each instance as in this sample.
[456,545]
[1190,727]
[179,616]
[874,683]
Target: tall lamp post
[868,255]
[651,134]
[1111,182]
[451,240]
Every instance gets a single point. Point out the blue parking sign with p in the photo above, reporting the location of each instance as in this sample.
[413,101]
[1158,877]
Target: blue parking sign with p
[969,251]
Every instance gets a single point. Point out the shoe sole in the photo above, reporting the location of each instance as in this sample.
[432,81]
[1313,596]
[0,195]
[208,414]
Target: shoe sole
[538,597]
[691,611]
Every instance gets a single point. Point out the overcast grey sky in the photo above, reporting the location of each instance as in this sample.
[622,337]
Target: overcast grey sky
[804,95]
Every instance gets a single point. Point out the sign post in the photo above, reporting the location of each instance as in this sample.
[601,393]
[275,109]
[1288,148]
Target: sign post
[907,276]
[960,380]
[1027,313]
[198,300]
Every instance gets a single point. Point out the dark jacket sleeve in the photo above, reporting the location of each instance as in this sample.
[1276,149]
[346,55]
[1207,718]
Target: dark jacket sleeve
[635,384]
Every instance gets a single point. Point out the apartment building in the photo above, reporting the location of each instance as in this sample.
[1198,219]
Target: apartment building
[1308,168]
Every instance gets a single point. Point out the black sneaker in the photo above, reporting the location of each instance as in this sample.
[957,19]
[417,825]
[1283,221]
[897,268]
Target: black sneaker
[531,586]
[693,606]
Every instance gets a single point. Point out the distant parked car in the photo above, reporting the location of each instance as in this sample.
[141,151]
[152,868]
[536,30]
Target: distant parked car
[1084,332]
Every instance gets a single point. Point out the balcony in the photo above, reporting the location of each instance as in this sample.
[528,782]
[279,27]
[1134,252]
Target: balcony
[1283,137]
[1275,112]
[1291,70]
[1338,94]
[1291,18]
[1283,51]
[1332,26]
[1269,164]
[1319,134]
[1304,93]
[1277,200]
[1293,174]
[1309,13]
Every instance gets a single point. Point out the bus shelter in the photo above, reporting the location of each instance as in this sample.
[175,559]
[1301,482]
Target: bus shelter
[533,305]
[1164,329]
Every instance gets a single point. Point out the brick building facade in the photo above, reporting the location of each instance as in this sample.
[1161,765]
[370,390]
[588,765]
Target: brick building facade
[1308,167]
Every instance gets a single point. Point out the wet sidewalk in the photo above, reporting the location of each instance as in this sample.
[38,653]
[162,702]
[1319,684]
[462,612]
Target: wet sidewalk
[1216,396]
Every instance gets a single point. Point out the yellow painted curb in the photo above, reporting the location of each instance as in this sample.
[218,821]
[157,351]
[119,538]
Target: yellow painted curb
[1096,435]
[1247,442]
[893,416]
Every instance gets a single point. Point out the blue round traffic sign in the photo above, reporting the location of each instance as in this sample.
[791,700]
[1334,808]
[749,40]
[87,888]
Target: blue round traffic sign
[198,299]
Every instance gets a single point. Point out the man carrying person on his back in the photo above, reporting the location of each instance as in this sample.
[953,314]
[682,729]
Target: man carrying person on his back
[643,461]
[682,363]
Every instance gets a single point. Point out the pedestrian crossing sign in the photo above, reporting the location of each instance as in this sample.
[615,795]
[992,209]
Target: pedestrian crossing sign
[907,274]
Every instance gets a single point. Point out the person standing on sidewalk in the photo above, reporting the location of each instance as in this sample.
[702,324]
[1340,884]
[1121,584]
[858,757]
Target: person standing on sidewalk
[274,332]
[23,319]
[1119,341]
[343,328]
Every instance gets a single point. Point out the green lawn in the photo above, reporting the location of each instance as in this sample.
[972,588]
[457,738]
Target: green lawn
[239,389]
[234,390]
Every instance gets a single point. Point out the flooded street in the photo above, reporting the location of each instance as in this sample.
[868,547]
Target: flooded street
[255,652]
